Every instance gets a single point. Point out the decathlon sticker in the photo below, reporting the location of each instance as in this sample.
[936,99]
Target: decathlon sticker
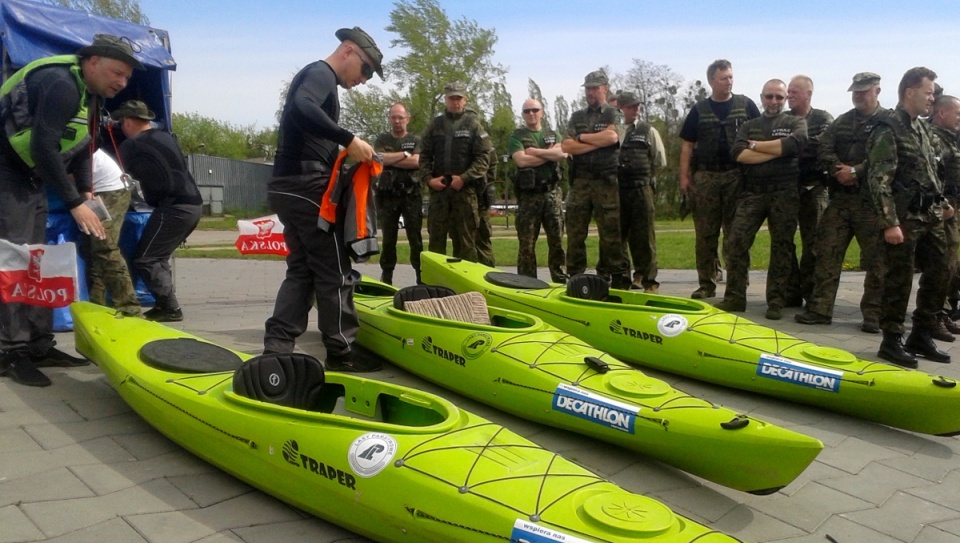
[595,408]
[783,369]
[370,453]
[671,325]
[528,532]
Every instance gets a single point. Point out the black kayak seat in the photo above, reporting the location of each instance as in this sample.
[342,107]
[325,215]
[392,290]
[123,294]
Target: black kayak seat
[420,292]
[188,355]
[588,286]
[289,379]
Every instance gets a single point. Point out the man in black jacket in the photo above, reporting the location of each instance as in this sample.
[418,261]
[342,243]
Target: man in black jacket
[153,157]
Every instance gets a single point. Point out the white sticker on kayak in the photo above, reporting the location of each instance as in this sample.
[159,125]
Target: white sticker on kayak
[527,532]
[783,369]
[370,453]
[671,325]
[595,408]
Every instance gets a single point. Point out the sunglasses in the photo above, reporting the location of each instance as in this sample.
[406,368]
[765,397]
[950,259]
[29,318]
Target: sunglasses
[531,110]
[365,68]
[776,97]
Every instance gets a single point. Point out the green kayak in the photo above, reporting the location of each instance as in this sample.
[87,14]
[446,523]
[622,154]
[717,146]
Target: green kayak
[694,339]
[386,461]
[518,363]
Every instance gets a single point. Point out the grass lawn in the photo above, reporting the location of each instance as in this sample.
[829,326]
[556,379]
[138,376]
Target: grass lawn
[675,246]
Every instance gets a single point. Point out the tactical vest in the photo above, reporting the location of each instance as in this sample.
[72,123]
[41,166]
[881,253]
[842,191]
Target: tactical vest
[948,167]
[540,178]
[778,174]
[395,180]
[18,121]
[453,143]
[602,161]
[915,156]
[709,127]
[636,170]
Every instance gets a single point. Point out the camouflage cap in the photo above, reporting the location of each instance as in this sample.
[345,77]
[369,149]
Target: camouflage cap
[132,108]
[365,42]
[105,45]
[595,79]
[864,81]
[627,98]
[455,89]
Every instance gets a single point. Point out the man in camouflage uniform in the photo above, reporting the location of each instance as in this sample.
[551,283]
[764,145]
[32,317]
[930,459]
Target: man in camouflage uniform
[850,212]
[768,147]
[485,200]
[398,192]
[945,122]
[593,140]
[641,154]
[812,185]
[908,195]
[536,151]
[708,174]
[454,159]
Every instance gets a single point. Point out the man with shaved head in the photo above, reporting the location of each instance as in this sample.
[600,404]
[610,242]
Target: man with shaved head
[768,148]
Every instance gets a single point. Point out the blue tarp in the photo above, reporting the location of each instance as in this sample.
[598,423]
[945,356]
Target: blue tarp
[31,30]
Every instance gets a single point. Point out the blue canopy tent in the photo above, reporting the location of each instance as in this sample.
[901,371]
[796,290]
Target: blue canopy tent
[31,30]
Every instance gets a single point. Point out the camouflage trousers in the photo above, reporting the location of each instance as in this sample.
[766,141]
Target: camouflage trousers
[390,208]
[637,216]
[924,246]
[813,203]
[107,271]
[595,198]
[454,213]
[533,211]
[485,239]
[715,200]
[848,216]
[952,232]
[779,209]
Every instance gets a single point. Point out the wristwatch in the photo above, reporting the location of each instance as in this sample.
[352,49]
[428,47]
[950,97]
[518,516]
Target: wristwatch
[406,154]
[578,138]
[853,171]
[753,145]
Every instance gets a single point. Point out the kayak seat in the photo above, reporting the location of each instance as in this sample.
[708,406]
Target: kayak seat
[419,292]
[588,286]
[289,379]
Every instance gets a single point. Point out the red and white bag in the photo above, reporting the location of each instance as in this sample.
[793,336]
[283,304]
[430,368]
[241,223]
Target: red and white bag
[262,236]
[43,275]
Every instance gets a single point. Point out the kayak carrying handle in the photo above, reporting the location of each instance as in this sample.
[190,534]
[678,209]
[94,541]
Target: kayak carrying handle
[599,365]
[942,381]
[736,423]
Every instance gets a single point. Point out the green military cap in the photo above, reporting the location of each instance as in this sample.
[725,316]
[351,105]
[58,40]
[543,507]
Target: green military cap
[627,98]
[365,42]
[132,108]
[595,79]
[105,45]
[864,81]
[455,89]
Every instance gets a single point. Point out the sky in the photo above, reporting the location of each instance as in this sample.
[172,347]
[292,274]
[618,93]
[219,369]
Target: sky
[233,57]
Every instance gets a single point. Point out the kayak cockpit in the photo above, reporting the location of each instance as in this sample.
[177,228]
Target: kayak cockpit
[469,307]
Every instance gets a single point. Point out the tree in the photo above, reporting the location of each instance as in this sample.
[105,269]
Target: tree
[128,10]
[199,134]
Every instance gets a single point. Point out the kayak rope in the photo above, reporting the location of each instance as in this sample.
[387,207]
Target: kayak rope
[133,381]
[469,486]
[427,516]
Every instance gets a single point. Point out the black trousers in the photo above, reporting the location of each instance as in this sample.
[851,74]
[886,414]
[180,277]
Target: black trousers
[166,229]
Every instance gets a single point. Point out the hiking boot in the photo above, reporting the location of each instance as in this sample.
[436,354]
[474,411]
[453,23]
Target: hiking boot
[353,361]
[891,350]
[812,317]
[702,293]
[652,289]
[948,323]
[940,332]
[57,358]
[920,343]
[163,314]
[731,305]
[774,313]
[870,326]
[387,277]
[636,285]
[18,366]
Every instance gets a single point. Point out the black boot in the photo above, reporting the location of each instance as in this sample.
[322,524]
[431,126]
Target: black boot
[920,343]
[891,350]
[387,277]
